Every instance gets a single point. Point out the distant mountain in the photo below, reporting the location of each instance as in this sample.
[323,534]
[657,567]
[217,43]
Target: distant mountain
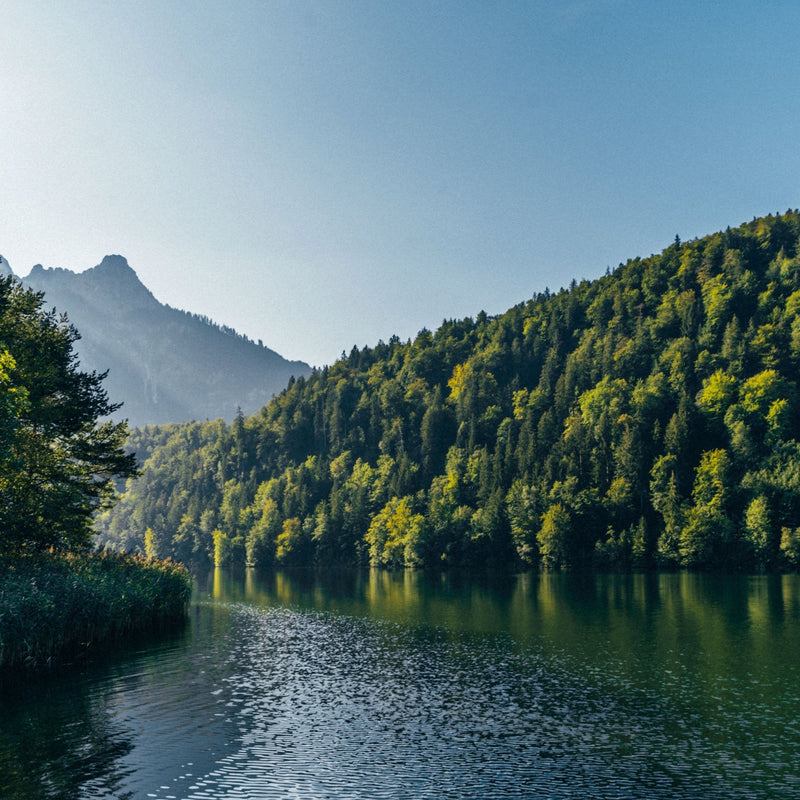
[164,364]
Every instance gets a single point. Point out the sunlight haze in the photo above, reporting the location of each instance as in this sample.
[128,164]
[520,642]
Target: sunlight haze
[320,175]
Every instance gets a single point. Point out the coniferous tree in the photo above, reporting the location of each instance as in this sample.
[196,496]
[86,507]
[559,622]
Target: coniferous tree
[651,417]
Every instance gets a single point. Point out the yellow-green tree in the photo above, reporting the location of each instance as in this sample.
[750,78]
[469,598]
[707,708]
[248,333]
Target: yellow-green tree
[395,535]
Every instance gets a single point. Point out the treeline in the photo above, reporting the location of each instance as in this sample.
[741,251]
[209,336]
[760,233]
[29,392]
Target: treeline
[207,321]
[648,418]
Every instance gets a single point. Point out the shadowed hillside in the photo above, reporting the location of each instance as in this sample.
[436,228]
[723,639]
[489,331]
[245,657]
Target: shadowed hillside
[166,365]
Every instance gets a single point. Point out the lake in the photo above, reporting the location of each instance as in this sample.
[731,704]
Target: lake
[409,686]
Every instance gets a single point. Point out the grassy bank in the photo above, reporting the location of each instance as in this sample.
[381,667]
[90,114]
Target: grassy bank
[55,607]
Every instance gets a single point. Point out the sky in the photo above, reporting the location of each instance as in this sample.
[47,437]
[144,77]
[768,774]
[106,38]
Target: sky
[320,174]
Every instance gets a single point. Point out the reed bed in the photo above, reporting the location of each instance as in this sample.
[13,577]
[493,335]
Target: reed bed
[53,607]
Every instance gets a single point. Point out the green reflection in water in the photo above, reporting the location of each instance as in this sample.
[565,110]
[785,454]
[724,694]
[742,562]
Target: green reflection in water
[706,627]
[61,735]
[715,657]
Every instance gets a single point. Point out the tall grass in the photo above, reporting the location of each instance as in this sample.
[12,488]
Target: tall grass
[53,607]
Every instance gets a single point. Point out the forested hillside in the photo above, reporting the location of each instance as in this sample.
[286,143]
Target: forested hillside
[646,418]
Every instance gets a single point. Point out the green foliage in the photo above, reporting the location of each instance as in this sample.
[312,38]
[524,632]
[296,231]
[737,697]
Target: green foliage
[668,503]
[293,545]
[395,535]
[54,606]
[709,529]
[790,546]
[717,394]
[758,528]
[57,462]
[646,418]
[523,517]
[553,536]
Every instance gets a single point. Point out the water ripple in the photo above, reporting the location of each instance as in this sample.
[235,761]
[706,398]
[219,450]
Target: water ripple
[295,700]
[338,707]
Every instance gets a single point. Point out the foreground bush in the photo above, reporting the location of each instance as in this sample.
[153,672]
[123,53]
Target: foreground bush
[53,607]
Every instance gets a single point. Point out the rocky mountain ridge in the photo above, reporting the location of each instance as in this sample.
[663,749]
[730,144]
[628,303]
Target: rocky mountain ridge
[164,364]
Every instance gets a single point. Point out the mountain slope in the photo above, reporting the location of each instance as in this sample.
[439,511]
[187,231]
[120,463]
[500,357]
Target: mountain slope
[651,417]
[165,365]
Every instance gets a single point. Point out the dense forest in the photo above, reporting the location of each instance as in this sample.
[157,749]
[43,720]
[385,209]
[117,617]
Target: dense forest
[646,419]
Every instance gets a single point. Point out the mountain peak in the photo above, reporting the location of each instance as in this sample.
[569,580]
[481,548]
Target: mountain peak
[115,277]
[114,262]
[5,268]
[114,268]
[166,365]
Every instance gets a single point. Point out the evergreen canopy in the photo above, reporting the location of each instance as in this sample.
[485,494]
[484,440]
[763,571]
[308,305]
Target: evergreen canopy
[57,461]
[650,417]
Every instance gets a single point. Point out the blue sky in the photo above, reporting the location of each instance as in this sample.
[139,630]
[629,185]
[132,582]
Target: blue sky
[324,174]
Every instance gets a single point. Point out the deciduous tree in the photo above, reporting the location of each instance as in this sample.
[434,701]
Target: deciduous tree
[58,458]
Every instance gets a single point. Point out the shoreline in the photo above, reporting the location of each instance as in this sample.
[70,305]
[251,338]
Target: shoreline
[56,608]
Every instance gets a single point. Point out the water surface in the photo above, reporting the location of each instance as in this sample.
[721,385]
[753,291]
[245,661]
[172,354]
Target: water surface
[406,686]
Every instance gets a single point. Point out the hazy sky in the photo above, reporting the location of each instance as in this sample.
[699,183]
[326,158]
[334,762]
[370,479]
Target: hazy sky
[324,174]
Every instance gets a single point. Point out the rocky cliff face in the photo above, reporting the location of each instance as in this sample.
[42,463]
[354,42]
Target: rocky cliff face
[165,365]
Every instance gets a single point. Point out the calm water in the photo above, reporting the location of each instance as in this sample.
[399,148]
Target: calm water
[398,686]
